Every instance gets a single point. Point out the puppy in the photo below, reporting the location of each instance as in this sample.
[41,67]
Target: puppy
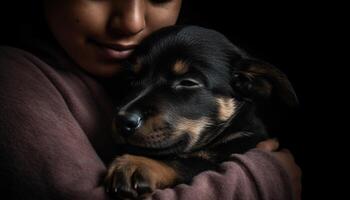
[192,99]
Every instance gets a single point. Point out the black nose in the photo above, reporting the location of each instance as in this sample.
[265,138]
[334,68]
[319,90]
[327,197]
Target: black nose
[129,122]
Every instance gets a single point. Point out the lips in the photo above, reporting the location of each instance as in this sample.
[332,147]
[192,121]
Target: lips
[114,51]
[119,47]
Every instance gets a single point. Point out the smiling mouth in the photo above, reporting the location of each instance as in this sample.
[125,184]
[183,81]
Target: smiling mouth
[113,51]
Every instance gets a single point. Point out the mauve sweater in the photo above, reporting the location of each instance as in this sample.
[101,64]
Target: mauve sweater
[55,144]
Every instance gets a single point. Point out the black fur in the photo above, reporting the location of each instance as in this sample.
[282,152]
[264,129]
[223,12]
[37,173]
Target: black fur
[215,71]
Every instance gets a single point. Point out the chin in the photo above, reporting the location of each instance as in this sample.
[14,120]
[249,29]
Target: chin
[104,69]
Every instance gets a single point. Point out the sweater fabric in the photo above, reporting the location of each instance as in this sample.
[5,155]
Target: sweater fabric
[55,141]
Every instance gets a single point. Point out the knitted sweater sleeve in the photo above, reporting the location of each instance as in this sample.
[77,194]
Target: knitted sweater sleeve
[45,154]
[251,176]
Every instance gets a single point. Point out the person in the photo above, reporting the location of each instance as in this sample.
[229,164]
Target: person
[56,111]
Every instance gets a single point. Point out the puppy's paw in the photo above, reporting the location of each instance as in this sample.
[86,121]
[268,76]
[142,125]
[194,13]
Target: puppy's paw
[136,177]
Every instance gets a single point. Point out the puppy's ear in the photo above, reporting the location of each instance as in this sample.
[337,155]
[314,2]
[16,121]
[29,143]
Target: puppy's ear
[257,80]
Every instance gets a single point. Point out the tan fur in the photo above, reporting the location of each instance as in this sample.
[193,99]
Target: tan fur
[150,132]
[193,127]
[205,155]
[158,173]
[180,67]
[227,107]
[151,124]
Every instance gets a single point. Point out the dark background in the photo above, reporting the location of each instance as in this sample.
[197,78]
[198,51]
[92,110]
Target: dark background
[295,37]
[298,38]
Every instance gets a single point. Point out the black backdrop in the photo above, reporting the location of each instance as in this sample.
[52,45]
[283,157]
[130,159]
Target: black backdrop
[283,34]
[286,34]
[298,37]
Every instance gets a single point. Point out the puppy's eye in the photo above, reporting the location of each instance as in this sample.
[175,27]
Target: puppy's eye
[187,84]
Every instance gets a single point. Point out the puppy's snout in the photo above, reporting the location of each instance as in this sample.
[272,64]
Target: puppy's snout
[129,122]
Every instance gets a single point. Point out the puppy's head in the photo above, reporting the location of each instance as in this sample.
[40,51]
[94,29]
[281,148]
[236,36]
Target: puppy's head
[185,84]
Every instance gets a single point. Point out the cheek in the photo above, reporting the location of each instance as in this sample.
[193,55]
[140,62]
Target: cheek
[192,128]
[73,20]
[226,108]
[162,16]
[72,23]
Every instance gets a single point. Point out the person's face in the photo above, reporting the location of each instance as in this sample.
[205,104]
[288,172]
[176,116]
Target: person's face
[99,34]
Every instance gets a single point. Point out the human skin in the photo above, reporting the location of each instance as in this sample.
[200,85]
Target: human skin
[99,34]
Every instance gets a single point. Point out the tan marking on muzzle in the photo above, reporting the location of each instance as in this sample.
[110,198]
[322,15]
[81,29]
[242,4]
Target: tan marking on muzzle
[192,127]
[180,67]
[227,107]
[151,124]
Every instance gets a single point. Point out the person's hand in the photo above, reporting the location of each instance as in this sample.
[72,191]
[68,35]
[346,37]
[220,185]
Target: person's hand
[287,160]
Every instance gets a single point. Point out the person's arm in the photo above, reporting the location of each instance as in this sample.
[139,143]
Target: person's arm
[256,174]
[44,152]
[287,161]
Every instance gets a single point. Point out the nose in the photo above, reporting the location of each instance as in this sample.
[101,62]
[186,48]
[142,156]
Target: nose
[128,17]
[129,122]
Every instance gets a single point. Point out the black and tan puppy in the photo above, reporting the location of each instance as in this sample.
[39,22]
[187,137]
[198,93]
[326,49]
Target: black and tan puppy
[193,99]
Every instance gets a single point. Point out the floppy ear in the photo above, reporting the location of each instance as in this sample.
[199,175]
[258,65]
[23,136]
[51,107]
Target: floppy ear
[258,80]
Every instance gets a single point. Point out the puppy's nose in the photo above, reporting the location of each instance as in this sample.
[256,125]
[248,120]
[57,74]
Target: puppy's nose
[129,122]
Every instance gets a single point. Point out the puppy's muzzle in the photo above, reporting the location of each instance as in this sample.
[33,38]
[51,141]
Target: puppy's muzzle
[128,122]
